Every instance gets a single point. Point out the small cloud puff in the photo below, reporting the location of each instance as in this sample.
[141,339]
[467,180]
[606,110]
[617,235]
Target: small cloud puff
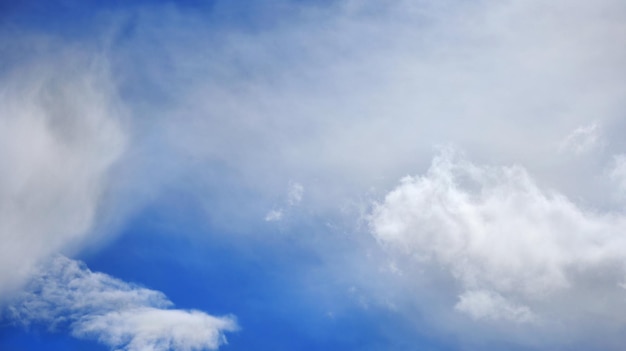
[295,192]
[274,215]
[483,304]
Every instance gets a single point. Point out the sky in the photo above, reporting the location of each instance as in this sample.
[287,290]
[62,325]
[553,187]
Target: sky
[312,175]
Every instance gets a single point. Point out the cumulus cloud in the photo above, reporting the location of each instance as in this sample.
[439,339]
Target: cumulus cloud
[519,252]
[61,130]
[121,315]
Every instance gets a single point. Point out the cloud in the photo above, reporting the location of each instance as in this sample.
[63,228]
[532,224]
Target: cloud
[295,193]
[582,139]
[482,304]
[347,96]
[274,215]
[617,173]
[157,329]
[517,252]
[61,131]
[344,98]
[121,315]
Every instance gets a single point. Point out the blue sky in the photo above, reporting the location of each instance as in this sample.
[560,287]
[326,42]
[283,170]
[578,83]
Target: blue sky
[312,175]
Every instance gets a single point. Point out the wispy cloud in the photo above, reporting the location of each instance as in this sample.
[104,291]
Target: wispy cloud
[295,193]
[617,173]
[274,215]
[581,140]
[124,316]
[482,304]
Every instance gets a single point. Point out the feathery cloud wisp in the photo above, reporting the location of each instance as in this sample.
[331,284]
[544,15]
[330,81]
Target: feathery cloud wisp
[124,316]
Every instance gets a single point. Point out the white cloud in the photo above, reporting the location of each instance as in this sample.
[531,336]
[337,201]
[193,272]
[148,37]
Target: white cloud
[582,139]
[152,329]
[347,97]
[61,130]
[503,238]
[274,215]
[295,193]
[343,98]
[121,315]
[482,304]
[617,173]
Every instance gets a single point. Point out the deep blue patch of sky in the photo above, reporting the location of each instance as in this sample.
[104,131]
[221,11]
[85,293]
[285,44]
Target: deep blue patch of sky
[14,338]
